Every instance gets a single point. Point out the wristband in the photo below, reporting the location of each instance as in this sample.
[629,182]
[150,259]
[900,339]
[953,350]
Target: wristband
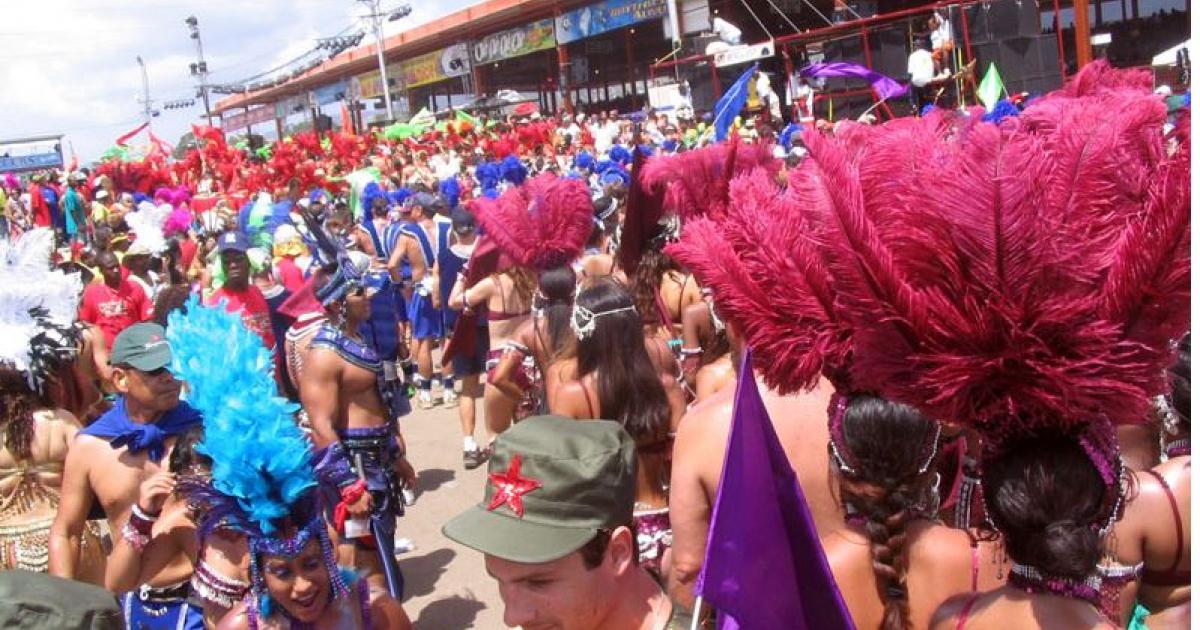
[136,539]
[141,522]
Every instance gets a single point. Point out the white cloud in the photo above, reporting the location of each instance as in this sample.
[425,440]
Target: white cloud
[70,65]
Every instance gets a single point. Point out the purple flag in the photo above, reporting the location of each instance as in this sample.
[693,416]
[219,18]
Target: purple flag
[885,86]
[764,568]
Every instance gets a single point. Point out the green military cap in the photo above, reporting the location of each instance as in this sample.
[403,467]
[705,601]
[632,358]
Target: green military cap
[553,483]
[143,346]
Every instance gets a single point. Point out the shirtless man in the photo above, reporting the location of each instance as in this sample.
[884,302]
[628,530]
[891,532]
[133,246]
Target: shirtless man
[423,239]
[802,425]
[353,406]
[109,460]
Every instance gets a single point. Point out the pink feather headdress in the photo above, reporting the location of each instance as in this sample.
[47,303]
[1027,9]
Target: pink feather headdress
[769,281]
[695,183]
[542,224]
[1016,278]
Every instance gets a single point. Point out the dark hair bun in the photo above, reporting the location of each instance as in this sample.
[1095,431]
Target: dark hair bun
[1066,548]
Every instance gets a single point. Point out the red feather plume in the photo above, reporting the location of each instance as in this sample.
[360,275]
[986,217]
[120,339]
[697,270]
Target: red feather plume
[541,224]
[768,282]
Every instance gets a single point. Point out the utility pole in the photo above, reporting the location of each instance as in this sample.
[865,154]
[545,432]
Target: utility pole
[147,104]
[200,68]
[376,17]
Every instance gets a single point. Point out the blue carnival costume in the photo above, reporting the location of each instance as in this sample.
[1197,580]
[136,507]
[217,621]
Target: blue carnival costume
[426,320]
[366,454]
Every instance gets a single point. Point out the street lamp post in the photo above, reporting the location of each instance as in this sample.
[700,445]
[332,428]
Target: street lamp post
[376,18]
[200,68]
[147,107]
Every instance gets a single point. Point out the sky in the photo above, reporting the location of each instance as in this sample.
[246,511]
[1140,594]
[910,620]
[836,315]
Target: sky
[70,66]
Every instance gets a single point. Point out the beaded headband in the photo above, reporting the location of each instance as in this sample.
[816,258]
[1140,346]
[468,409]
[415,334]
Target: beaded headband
[842,454]
[583,320]
[290,547]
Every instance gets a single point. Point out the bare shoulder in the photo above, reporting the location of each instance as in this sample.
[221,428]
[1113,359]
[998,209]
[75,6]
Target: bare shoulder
[930,539]
[947,615]
[708,420]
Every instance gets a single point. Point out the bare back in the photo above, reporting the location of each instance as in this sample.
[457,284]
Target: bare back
[29,488]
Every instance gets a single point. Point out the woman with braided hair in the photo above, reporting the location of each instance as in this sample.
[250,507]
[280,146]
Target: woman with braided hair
[882,464]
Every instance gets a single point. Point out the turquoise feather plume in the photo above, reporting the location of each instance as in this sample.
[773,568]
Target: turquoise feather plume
[261,458]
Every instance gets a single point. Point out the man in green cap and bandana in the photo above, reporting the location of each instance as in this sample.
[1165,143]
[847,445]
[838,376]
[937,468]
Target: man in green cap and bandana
[555,526]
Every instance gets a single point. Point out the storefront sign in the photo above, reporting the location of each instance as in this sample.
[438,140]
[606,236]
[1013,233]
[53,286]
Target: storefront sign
[31,162]
[606,16]
[289,105]
[233,121]
[330,93]
[514,42]
[369,85]
[435,66]
[744,53]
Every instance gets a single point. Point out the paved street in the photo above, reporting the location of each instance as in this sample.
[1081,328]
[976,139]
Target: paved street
[447,588]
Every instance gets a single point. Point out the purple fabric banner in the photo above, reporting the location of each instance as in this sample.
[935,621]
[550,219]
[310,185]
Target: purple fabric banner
[764,567]
[885,86]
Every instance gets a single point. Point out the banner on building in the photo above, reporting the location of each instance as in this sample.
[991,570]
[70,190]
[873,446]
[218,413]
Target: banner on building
[514,42]
[369,86]
[233,121]
[606,16]
[290,105]
[31,162]
[744,53]
[449,62]
[329,93]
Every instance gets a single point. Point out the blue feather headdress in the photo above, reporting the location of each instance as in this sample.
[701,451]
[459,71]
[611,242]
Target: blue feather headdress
[263,484]
[584,161]
[620,154]
[513,171]
[488,176]
[451,191]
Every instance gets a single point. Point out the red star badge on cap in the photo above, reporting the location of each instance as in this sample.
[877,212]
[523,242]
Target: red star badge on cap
[511,486]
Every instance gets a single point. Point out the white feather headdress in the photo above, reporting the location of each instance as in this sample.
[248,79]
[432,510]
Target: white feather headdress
[35,302]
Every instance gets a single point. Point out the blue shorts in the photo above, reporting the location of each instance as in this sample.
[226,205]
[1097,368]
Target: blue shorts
[476,363]
[425,319]
[170,615]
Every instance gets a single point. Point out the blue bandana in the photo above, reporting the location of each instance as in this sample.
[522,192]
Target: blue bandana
[142,437]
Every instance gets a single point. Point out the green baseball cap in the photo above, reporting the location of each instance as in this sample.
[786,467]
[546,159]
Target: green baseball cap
[143,346]
[553,482]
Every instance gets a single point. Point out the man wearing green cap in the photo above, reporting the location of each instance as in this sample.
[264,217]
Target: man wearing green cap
[555,527]
[109,460]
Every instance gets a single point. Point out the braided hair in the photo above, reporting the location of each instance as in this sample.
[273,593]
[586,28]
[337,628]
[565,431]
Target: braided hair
[889,485]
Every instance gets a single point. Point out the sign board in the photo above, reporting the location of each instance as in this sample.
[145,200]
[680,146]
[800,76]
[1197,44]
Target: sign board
[369,85]
[327,94]
[606,16]
[514,42]
[291,105]
[233,121]
[744,53]
[31,162]
[452,61]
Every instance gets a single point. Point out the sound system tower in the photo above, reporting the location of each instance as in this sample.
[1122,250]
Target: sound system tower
[324,123]
[1009,34]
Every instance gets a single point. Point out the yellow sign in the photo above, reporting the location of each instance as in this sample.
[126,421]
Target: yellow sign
[369,85]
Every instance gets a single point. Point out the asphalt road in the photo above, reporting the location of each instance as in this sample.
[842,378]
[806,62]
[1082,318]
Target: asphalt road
[445,583]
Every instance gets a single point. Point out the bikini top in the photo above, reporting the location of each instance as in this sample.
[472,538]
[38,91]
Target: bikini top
[502,316]
[1173,576]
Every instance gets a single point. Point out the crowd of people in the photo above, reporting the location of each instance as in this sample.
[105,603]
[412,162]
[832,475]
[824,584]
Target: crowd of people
[969,331]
